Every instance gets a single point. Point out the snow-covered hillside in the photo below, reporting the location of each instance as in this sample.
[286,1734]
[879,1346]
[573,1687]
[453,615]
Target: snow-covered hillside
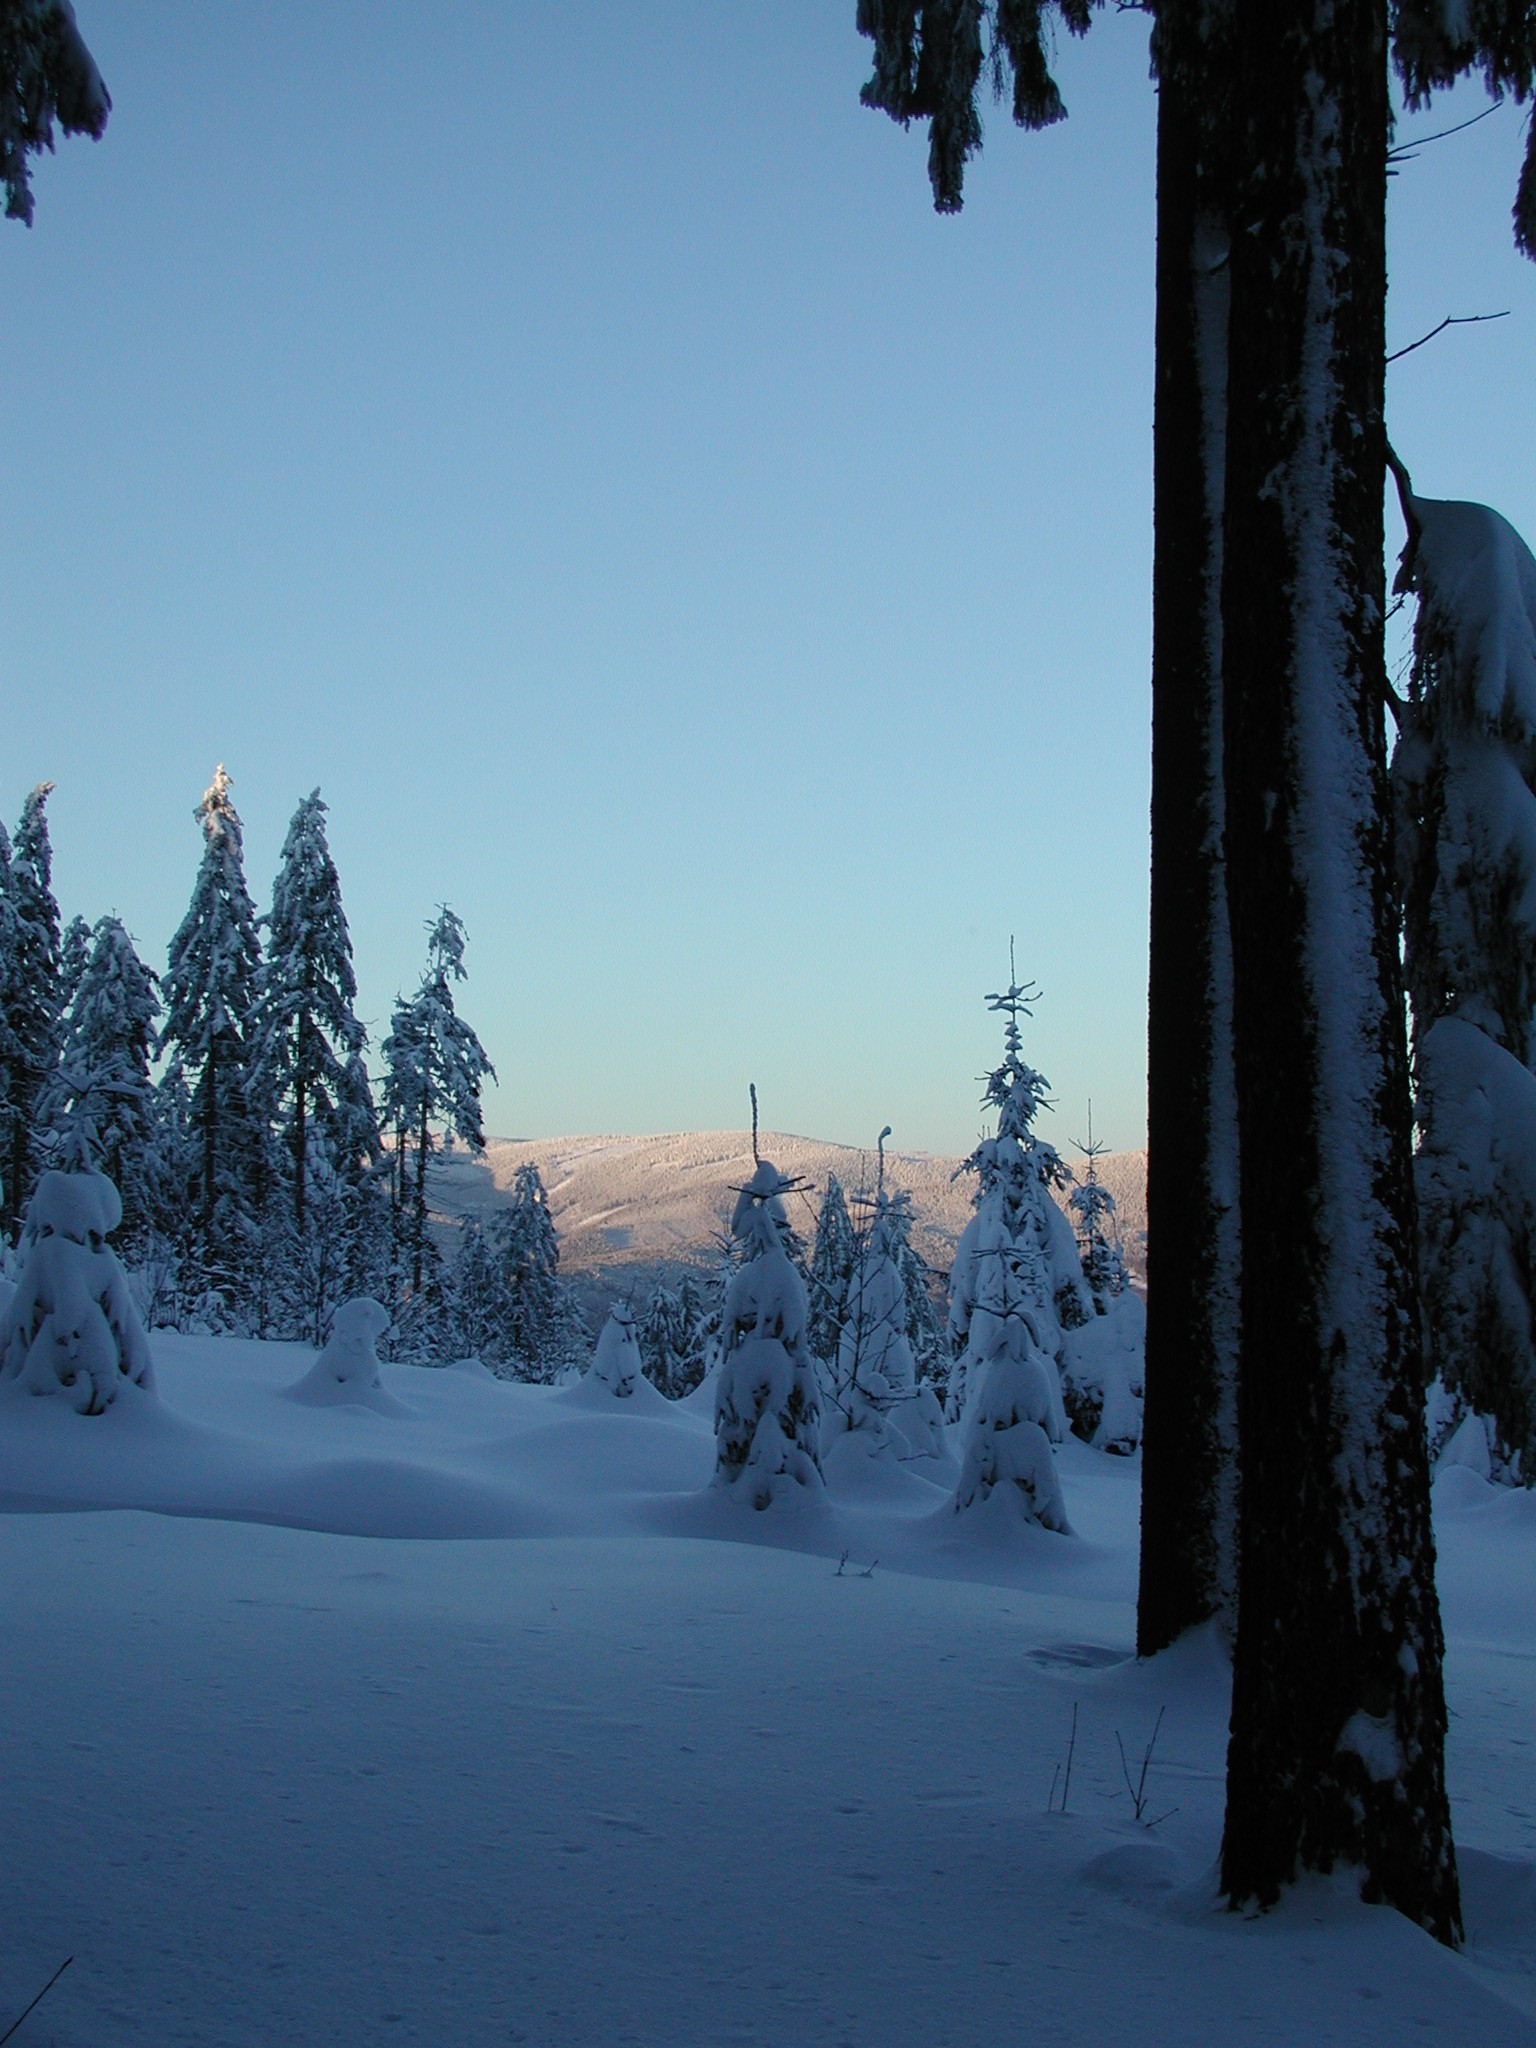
[659,1200]
[481,1718]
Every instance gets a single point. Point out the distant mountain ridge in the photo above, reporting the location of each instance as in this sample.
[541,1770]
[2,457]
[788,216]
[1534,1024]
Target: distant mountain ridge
[660,1201]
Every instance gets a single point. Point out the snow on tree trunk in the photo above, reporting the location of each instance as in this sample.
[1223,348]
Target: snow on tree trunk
[71,1327]
[767,1409]
[1338,1709]
[1189,1494]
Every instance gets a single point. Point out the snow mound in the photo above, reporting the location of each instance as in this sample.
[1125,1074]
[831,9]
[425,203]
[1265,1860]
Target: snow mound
[1498,1900]
[346,1374]
[617,1371]
[71,1326]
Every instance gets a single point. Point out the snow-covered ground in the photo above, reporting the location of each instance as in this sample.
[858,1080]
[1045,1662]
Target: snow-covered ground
[485,1721]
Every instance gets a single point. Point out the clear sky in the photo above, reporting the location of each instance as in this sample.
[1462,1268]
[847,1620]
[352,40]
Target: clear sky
[566,435]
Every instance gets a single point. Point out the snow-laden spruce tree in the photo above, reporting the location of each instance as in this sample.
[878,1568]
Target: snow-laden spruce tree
[767,1408]
[210,987]
[74,956]
[873,1368]
[872,1389]
[308,1041]
[434,1069]
[1103,1366]
[672,1340]
[71,1328]
[46,74]
[833,1256]
[1464,782]
[926,1295]
[32,996]
[1017,1254]
[1006,1455]
[540,1333]
[1098,1230]
[102,1084]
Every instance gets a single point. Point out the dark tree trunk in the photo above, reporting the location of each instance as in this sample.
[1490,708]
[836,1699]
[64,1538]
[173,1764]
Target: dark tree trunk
[17,1177]
[210,1130]
[419,1233]
[298,1131]
[1338,1711]
[1188,1520]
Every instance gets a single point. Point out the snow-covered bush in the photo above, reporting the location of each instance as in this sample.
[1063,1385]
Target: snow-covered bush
[1102,1375]
[616,1362]
[767,1411]
[346,1374]
[1464,784]
[71,1327]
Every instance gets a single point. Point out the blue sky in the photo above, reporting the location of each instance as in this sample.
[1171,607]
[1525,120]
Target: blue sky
[568,437]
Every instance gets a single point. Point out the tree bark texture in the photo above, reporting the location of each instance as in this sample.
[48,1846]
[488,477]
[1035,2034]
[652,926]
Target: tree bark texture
[1338,1711]
[1188,1525]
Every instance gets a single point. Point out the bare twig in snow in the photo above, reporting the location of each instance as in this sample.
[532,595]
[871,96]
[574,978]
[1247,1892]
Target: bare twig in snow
[15,2023]
[1138,1791]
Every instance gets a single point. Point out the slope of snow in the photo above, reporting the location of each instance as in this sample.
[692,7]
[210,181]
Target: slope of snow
[640,1766]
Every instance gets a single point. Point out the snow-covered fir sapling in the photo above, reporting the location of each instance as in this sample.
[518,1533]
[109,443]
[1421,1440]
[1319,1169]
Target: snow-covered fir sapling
[1103,1362]
[1006,1452]
[346,1374]
[1018,1249]
[872,1380]
[616,1363]
[1464,780]
[1098,1231]
[767,1409]
[833,1258]
[71,1328]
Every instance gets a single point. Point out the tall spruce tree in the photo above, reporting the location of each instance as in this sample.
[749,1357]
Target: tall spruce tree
[308,1036]
[102,1099]
[11,1060]
[541,1330]
[434,1068]
[33,993]
[1302,461]
[1189,1444]
[210,986]
[1338,1709]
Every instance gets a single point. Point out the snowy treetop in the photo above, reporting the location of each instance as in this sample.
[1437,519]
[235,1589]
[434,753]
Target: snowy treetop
[1477,580]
